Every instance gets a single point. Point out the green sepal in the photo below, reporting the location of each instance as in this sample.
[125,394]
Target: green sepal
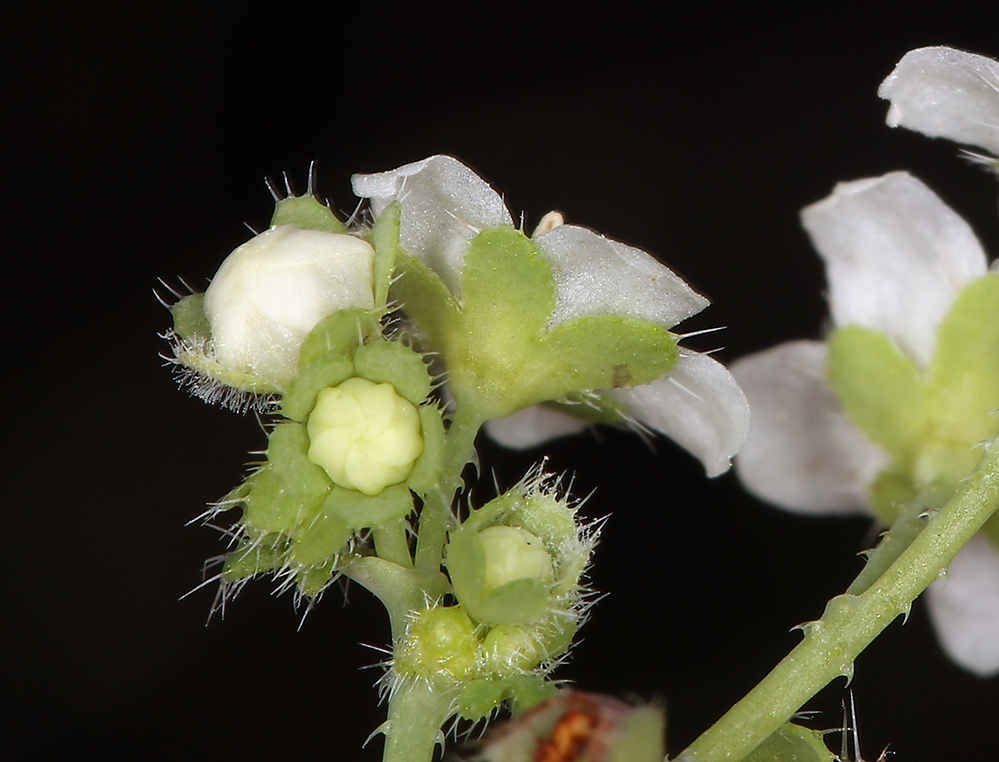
[360,511]
[880,388]
[427,468]
[255,556]
[503,357]
[189,319]
[300,398]
[289,490]
[480,698]
[517,602]
[394,363]
[312,580]
[320,540]
[192,349]
[339,335]
[288,456]
[306,212]
[929,426]
[527,691]
[964,380]
[793,743]
[384,238]
[427,301]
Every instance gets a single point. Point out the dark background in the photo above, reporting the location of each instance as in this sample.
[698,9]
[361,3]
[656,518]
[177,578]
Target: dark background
[142,133]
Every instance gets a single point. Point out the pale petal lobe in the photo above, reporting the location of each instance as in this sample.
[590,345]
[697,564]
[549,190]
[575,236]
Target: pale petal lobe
[895,255]
[802,453]
[948,93]
[964,608]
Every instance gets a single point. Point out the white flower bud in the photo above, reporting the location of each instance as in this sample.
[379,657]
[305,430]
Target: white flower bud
[271,291]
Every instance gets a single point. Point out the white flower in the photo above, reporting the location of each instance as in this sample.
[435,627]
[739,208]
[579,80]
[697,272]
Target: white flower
[896,257]
[271,291]
[943,92]
[445,204]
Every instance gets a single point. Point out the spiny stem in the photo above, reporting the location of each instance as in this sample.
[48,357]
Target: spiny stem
[851,622]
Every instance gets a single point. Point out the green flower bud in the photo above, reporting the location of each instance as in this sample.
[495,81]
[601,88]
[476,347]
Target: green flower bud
[509,649]
[513,554]
[364,435]
[518,560]
[440,643]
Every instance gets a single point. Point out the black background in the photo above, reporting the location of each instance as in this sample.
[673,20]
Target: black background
[142,132]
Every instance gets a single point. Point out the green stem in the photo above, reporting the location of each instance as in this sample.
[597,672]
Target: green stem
[392,542]
[910,523]
[436,516]
[400,590]
[416,712]
[851,622]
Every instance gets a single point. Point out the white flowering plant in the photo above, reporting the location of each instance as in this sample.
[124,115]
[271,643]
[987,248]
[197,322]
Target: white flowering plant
[379,349]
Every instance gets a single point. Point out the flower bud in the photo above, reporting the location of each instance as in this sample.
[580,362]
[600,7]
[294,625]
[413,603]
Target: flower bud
[273,290]
[440,643]
[364,435]
[519,559]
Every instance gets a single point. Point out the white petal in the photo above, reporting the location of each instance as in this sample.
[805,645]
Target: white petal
[271,291]
[444,205]
[597,276]
[533,425]
[896,255]
[943,92]
[802,453]
[698,405]
[964,608]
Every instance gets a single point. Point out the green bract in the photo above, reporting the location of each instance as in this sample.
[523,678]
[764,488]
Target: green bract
[930,424]
[497,339]
[315,491]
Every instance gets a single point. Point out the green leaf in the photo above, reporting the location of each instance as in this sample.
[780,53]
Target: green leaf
[307,213]
[880,388]
[793,743]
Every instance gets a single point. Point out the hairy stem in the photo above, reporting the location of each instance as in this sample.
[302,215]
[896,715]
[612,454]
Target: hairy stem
[416,712]
[851,622]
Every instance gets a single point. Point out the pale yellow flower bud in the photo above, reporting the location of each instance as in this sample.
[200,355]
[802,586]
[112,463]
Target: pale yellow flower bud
[364,435]
[513,554]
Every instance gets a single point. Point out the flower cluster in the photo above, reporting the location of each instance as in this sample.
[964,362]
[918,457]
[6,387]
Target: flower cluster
[571,326]
[890,409]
